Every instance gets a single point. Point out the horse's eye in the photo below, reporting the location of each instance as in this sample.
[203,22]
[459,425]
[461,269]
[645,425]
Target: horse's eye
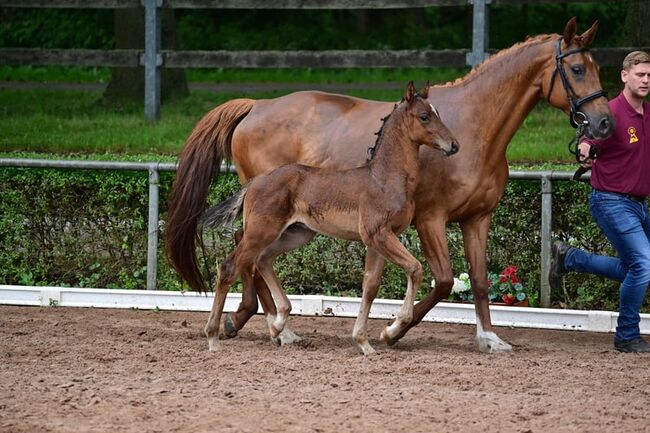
[424,117]
[577,70]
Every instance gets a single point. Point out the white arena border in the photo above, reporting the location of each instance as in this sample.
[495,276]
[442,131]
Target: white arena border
[312,305]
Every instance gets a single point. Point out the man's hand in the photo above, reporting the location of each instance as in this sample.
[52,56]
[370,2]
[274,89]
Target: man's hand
[583,151]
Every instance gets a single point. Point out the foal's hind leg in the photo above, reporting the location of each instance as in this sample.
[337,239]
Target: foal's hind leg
[388,245]
[283,305]
[227,276]
[371,279]
[233,322]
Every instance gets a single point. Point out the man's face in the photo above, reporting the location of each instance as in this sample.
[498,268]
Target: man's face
[637,79]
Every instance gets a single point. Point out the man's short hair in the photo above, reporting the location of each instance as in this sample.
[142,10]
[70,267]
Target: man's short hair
[634,58]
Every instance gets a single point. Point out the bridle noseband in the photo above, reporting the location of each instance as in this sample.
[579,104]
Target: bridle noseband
[574,102]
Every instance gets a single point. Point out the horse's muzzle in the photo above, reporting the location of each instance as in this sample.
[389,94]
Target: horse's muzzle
[601,128]
[453,149]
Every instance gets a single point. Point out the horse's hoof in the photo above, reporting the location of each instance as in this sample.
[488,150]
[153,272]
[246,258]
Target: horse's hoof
[367,349]
[489,342]
[213,343]
[276,341]
[287,336]
[229,329]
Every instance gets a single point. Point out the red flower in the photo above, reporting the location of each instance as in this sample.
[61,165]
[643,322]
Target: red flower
[510,270]
[509,299]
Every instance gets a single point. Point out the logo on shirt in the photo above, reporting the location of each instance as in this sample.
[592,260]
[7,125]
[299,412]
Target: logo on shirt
[632,131]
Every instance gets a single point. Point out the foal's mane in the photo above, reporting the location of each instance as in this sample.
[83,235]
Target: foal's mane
[373,149]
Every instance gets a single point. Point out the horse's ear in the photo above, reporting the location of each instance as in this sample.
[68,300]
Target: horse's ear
[425,90]
[588,36]
[570,31]
[410,92]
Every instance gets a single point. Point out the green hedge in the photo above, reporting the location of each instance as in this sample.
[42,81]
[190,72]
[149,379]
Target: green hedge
[86,228]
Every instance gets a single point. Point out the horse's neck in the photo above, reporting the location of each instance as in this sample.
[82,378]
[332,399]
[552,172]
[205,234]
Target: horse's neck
[497,97]
[396,157]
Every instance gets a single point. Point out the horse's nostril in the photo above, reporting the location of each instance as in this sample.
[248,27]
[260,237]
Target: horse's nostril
[605,125]
[454,147]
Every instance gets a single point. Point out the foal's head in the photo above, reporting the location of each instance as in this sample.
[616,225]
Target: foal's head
[424,124]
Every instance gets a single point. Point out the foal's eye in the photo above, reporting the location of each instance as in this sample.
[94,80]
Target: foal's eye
[424,117]
[578,70]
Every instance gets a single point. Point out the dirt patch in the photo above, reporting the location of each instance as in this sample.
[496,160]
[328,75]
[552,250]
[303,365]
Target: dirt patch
[93,370]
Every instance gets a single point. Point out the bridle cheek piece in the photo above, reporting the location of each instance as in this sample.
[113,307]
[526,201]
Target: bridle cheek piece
[577,117]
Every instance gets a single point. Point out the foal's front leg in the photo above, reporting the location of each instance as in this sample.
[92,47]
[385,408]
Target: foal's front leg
[371,279]
[388,245]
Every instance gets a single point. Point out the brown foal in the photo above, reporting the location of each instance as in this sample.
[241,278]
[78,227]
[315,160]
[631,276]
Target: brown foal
[372,203]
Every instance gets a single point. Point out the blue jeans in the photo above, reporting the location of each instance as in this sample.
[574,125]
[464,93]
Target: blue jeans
[626,224]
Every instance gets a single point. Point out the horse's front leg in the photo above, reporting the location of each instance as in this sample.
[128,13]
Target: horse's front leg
[434,245]
[475,233]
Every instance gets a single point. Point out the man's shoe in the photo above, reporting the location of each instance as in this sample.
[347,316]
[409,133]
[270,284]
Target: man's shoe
[558,253]
[638,345]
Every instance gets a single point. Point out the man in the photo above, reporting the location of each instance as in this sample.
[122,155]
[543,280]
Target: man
[620,181]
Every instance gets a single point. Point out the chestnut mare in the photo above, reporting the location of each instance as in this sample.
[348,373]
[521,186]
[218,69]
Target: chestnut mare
[372,203]
[483,109]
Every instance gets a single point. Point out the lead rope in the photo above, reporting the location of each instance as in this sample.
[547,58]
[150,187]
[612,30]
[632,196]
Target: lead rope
[573,148]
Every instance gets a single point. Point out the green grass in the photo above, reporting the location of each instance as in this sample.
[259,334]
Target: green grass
[69,121]
[55,74]
[74,122]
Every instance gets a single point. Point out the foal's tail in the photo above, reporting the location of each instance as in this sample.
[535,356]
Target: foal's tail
[224,213]
[198,164]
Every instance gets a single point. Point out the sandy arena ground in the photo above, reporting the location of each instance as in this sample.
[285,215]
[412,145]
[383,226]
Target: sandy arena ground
[93,370]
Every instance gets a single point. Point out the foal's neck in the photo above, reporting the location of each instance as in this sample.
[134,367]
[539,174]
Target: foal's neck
[396,155]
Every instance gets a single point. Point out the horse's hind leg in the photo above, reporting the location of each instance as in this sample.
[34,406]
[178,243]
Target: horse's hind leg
[371,279]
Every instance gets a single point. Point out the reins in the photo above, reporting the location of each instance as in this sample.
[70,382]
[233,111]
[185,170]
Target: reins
[577,118]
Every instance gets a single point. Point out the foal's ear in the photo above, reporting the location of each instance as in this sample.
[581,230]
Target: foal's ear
[410,92]
[425,90]
[588,36]
[570,31]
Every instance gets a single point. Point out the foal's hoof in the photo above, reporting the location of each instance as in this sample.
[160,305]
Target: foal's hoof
[391,339]
[229,329]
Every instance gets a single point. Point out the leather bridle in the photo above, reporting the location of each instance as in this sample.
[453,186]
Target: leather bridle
[577,117]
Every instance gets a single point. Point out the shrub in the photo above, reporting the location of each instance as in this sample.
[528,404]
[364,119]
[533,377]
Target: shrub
[89,229]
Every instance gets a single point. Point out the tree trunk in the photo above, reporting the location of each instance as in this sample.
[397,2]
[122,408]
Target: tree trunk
[635,32]
[127,84]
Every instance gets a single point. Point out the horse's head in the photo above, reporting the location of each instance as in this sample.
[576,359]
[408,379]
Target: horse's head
[579,92]
[425,126]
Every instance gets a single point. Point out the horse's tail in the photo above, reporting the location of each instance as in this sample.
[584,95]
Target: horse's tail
[198,164]
[224,213]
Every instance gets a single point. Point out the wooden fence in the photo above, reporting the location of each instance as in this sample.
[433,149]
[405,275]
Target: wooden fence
[153,58]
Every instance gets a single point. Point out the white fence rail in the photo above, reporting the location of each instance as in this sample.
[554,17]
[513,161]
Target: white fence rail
[311,305]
